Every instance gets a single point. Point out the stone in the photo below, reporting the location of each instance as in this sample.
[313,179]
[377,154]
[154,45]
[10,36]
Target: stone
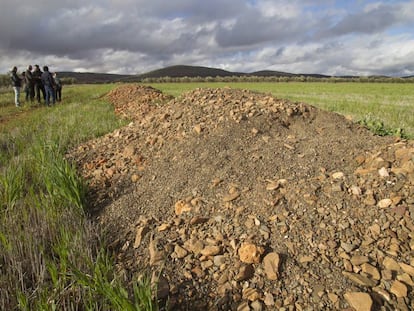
[181,207]
[269,299]
[180,252]
[371,271]
[156,256]
[250,253]
[231,197]
[305,259]
[348,247]
[139,235]
[250,294]
[135,178]
[383,172]
[358,260]
[338,175]
[359,279]
[161,284]
[391,264]
[333,298]
[211,250]
[384,203]
[163,227]
[244,306]
[256,305]
[399,289]
[246,272]
[271,263]
[407,268]
[359,301]
[129,151]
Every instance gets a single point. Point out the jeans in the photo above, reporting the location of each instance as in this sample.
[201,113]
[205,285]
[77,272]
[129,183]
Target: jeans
[16,95]
[50,92]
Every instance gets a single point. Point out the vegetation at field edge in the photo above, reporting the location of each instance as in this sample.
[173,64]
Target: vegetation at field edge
[51,255]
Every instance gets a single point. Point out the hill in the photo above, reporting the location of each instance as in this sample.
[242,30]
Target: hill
[175,72]
[189,71]
[91,77]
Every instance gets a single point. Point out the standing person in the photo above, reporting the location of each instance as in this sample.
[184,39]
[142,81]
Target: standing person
[25,87]
[16,83]
[48,83]
[38,86]
[58,87]
[30,82]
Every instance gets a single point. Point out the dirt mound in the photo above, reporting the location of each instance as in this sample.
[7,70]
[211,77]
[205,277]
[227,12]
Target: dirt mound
[237,200]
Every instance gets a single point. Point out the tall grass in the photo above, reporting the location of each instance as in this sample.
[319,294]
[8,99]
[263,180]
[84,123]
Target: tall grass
[51,255]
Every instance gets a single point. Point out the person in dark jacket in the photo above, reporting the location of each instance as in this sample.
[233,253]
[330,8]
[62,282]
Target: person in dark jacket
[30,82]
[38,85]
[16,83]
[58,87]
[48,83]
[25,87]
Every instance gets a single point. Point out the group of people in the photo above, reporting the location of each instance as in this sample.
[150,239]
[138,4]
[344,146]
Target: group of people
[36,84]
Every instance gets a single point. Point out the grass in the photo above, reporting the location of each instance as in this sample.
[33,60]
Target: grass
[391,104]
[51,255]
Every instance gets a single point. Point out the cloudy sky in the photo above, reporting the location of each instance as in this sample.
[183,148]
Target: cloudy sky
[348,37]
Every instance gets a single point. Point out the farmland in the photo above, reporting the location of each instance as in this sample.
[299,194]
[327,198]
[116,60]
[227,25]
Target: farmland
[43,192]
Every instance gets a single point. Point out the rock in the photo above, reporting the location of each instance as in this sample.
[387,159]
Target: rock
[371,271]
[246,272]
[359,301]
[211,250]
[163,227]
[384,203]
[156,256]
[359,279]
[338,175]
[162,286]
[407,268]
[140,233]
[181,207]
[135,178]
[391,264]
[231,197]
[250,253]
[180,252]
[271,263]
[256,305]
[250,294]
[399,289]
[244,306]
[359,260]
[383,172]
[269,300]
[348,247]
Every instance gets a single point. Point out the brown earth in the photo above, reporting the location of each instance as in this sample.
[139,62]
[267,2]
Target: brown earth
[236,200]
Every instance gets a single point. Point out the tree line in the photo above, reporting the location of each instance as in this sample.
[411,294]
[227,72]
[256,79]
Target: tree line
[5,79]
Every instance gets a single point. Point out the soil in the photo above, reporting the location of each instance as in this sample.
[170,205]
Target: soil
[236,200]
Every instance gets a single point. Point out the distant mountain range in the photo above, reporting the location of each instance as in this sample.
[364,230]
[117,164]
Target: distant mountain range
[180,71]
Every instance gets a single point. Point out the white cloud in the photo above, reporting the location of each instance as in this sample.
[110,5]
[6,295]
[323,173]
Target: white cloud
[130,36]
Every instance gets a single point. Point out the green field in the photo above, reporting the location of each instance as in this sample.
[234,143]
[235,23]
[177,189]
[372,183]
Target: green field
[389,104]
[51,258]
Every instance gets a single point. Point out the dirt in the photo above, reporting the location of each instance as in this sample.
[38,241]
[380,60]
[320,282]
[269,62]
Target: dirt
[236,200]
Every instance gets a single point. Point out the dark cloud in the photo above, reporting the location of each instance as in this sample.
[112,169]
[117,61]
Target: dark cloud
[138,35]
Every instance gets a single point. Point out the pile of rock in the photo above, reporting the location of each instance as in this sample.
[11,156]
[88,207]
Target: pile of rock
[236,200]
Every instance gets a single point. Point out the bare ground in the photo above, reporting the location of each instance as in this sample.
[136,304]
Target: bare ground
[235,200]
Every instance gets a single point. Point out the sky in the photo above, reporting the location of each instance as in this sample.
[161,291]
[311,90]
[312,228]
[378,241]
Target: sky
[350,37]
